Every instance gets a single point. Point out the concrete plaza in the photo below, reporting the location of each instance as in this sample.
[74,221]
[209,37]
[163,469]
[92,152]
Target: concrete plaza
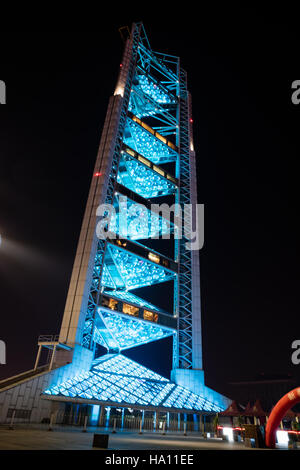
[31,438]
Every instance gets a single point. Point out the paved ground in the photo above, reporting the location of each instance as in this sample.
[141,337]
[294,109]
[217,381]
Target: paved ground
[34,439]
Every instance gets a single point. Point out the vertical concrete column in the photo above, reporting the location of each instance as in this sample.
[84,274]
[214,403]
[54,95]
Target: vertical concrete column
[76,414]
[73,413]
[178,419]
[154,420]
[200,423]
[195,420]
[95,410]
[143,418]
[107,417]
[101,416]
[184,423]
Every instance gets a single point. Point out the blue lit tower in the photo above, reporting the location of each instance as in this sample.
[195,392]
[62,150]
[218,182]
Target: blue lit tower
[146,156]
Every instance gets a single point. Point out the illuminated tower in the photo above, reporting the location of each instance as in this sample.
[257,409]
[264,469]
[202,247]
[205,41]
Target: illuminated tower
[146,156]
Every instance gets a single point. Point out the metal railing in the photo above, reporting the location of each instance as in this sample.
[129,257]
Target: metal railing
[48,338]
[23,376]
[69,421]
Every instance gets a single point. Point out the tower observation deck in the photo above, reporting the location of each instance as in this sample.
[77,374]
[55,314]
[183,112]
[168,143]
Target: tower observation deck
[136,233]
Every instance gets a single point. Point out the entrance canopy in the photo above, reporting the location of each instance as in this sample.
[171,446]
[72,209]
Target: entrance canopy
[116,380]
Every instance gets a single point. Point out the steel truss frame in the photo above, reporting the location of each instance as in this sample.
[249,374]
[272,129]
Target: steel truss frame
[170,120]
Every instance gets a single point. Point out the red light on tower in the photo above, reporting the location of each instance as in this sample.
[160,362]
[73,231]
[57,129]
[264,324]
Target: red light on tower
[191,121]
[97,174]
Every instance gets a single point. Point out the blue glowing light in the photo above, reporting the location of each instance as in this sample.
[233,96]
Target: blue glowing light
[149,98]
[147,144]
[95,414]
[136,222]
[123,332]
[118,379]
[142,180]
[107,280]
[154,90]
[139,108]
[128,271]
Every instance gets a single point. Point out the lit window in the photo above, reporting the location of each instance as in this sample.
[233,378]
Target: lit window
[158,170]
[160,137]
[112,304]
[130,152]
[120,243]
[148,128]
[171,178]
[171,145]
[150,316]
[153,257]
[130,310]
[143,160]
[134,118]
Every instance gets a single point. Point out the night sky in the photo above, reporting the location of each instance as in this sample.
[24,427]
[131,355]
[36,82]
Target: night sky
[246,135]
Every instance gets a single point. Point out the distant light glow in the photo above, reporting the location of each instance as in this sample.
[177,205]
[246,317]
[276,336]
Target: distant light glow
[119,91]
[229,433]
[282,437]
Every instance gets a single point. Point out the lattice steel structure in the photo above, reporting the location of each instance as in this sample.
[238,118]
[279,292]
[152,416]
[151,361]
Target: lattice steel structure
[146,156]
[115,379]
[146,152]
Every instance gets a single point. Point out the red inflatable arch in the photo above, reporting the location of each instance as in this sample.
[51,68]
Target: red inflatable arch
[278,412]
